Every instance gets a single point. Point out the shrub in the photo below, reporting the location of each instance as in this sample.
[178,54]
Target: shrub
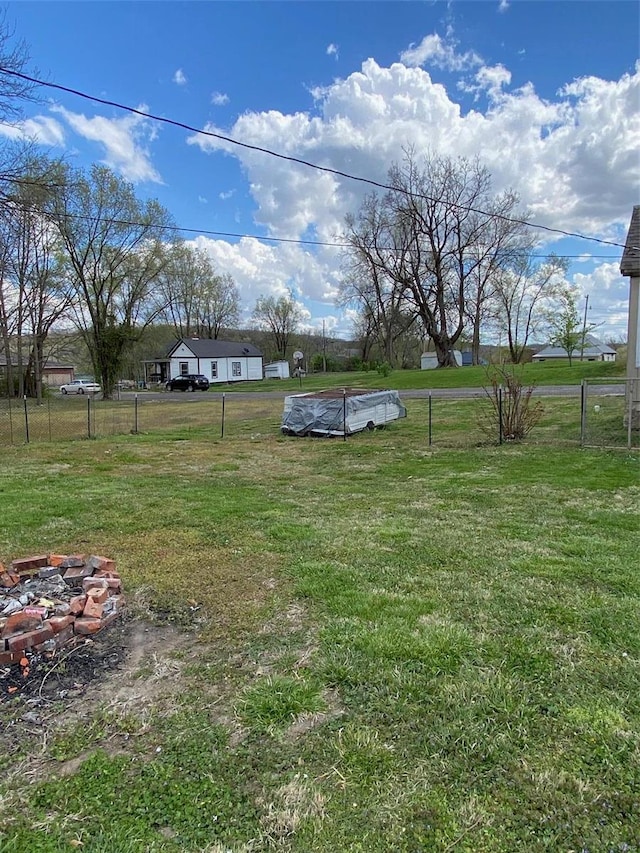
[511,412]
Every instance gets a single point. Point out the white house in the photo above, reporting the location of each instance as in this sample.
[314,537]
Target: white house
[594,350]
[219,361]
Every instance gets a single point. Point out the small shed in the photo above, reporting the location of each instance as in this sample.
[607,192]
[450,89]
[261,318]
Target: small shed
[340,411]
[429,360]
[277,370]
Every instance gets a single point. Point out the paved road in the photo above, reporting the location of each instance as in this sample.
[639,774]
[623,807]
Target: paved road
[616,389]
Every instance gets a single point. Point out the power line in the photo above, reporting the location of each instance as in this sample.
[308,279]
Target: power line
[244,235]
[298,160]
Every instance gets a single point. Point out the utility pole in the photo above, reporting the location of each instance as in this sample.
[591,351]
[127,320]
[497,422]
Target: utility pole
[584,327]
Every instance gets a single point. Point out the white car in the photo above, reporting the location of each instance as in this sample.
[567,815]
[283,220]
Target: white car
[79,386]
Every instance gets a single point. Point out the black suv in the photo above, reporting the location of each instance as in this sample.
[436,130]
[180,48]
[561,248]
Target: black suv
[188,382]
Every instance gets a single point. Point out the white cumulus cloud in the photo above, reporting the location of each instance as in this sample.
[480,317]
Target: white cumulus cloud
[572,158]
[332,50]
[219,99]
[442,53]
[125,141]
[43,130]
[179,78]
[608,306]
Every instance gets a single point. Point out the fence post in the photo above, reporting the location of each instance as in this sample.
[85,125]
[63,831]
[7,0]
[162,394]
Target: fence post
[344,414]
[630,397]
[88,416]
[583,411]
[49,413]
[26,419]
[430,419]
[10,422]
[500,415]
[222,420]
[135,414]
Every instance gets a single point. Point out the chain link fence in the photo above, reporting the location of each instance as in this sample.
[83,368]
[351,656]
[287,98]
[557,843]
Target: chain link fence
[595,416]
[610,415]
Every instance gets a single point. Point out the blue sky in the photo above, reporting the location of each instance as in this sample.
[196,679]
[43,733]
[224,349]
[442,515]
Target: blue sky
[545,93]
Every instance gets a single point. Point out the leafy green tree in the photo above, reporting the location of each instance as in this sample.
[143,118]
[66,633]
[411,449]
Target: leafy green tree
[117,248]
[568,330]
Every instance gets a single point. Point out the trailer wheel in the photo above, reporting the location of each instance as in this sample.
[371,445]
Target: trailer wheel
[371,426]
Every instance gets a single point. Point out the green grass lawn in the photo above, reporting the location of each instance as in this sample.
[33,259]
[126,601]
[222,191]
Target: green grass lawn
[546,373]
[395,647]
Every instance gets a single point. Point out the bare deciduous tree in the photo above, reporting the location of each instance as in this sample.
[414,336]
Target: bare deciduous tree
[523,291]
[281,317]
[434,240]
[197,301]
[33,291]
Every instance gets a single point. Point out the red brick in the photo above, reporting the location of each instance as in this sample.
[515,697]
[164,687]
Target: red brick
[76,574]
[98,595]
[58,623]
[9,579]
[94,583]
[115,585]
[7,658]
[84,625]
[57,559]
[19,622]
[102,564]
[93,609]
[29,564]
[29,639]
[62,609]
[77,603]
[73,561]
[35,610]
[64,637]
[103,574]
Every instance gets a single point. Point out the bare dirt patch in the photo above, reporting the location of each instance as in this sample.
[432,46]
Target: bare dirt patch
[130,667]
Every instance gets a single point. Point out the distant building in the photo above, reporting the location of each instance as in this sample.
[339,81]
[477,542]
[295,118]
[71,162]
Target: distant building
[429,360]
[52,374]
[276,370]
[220,361]
[594,350]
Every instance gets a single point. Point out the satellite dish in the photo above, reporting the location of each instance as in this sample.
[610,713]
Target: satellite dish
[298,355]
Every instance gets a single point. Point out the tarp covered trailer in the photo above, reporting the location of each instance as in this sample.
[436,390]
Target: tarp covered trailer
[339,411]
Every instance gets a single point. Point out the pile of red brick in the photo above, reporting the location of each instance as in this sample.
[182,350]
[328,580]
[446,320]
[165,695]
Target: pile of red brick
[47,601]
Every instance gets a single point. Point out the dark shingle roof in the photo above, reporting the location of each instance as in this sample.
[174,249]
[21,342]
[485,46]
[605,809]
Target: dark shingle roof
[630,263]
[207,348]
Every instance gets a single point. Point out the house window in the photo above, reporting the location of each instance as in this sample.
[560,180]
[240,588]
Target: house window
[236,368]
[214,369]
[184,368]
